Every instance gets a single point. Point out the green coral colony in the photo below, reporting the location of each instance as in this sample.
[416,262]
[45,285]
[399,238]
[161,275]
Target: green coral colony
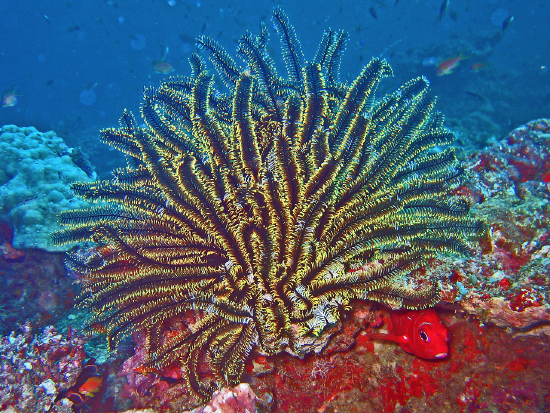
[266,209]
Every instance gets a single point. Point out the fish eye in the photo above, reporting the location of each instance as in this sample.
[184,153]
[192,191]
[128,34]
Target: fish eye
[424,336]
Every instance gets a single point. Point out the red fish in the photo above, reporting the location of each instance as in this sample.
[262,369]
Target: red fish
[421,333]
[446,67]
[91,386]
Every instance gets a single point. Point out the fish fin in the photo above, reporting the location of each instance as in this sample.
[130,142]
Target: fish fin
[165,54]
[75,397]
[388,337]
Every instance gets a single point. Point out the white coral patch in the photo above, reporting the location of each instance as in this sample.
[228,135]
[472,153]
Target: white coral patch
[49,387]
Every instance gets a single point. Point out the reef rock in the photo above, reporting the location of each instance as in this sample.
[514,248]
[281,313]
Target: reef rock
[240,399]
[507,281]
[35,368]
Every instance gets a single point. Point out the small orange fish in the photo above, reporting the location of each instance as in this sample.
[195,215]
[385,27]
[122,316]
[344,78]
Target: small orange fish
[476,67]
[446,67]
[421,333]
[91,386]
[163,67]
[9,98]
[145,370]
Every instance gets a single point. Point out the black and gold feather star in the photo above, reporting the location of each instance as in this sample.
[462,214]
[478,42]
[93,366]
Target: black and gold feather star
[266,208]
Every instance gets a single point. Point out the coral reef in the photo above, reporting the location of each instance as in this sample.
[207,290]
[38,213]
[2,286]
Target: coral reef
[35,172]
[496,302]
[35,285]
[507,281]
[140,411]
[498,359]
[240,399]
[487,371]
[34,369]
[264,211]
[163,390]
[504,284]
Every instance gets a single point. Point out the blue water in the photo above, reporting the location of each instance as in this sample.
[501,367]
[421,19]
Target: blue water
[78,64]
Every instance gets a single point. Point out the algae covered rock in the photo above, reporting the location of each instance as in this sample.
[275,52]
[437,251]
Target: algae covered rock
[36,170]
